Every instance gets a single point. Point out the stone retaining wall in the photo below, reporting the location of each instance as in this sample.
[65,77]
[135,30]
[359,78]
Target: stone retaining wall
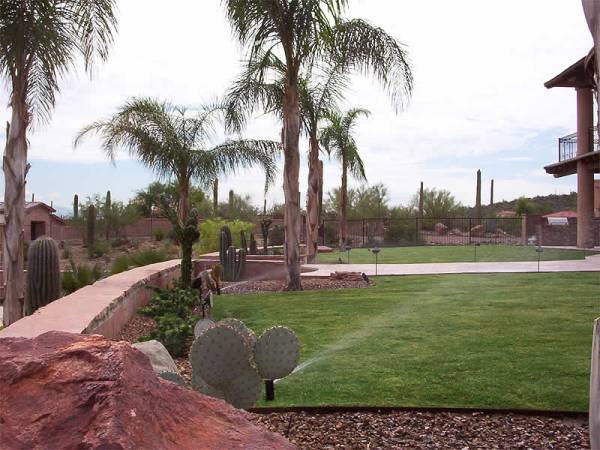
[102,308]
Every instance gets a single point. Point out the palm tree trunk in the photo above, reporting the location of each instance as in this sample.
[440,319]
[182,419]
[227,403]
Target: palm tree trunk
[312,204]
[15,171]
[291,174]
[184,199]
[344,204]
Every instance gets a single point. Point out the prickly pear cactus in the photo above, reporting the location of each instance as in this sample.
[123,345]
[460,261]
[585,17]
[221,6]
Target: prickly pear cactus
[201,326]
[202,386]
[219,355]
[276,353]
[244,391]
[173,378]
[241,328]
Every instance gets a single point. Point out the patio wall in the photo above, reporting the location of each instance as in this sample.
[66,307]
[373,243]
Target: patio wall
[102,308]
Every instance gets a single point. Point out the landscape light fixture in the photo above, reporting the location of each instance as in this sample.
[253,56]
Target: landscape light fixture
[376,251]
[539,250]
[348,248]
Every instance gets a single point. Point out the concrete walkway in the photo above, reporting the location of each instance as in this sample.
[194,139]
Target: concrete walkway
[590,264]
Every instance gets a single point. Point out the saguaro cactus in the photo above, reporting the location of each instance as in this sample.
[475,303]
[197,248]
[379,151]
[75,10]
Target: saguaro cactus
[91,226]
[253,246]
[478,196]
[224,243]
[75,206]
[43,274]
[107,208]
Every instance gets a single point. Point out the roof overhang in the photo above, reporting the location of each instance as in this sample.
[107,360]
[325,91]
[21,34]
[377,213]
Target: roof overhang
[569,167]
[579,75]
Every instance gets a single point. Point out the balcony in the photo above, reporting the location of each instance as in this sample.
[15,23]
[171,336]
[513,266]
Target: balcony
[567,146]
[568,159]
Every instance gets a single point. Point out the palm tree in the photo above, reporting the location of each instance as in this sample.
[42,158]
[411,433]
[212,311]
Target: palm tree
[39,43]
[337,138]
[301,33]
[319,92]
[175,145]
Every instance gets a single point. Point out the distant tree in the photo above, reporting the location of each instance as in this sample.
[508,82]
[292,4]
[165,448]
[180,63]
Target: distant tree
[337,139]
[437,203]
[117,216]
[524,206]
[364,202]
[237,207]
[147,199]
[39,43]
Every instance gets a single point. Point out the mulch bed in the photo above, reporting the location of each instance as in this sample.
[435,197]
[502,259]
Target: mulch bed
[425,430]
[308,284]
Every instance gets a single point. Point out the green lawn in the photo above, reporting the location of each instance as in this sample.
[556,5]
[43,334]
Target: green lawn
[489,341]
[442,254]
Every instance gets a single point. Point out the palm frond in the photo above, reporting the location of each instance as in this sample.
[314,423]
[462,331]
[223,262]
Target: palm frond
[368,49]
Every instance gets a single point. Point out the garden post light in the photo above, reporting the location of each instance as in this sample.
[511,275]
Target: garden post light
[376,251]
[348,248]
[539,250]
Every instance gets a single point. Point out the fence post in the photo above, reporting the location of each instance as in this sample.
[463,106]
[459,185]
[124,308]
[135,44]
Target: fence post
[470,228]
[363,232]
[416,231]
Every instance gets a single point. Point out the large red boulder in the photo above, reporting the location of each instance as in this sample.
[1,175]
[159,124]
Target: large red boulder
[63,390]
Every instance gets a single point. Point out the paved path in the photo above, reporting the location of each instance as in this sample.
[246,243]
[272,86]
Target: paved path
[590,264]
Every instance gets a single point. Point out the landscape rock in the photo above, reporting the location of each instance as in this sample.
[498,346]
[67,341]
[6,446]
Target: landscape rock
[62,390]
[478,231]
[159,356]
[440,229]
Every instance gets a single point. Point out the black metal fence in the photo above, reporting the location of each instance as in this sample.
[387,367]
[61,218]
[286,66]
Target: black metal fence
[413,232]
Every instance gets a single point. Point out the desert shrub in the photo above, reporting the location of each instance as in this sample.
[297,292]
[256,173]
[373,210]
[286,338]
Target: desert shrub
[67,253]
[80,276]
[401,232]
[172,312]
[99,249]
[119,242]
[139,259]
[158,234]
[211,230]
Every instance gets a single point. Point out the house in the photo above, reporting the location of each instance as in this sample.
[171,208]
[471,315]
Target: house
[579,153]
[40,220]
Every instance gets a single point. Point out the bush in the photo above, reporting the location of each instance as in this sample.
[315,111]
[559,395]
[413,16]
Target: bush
[99,249]
[211,229]
[172,312]
[158,234]
[80,276]
[401,232]
[67,253]
[139,259]
[119,242]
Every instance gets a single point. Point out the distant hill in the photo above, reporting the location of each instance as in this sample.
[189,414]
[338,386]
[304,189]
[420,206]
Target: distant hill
[542,204]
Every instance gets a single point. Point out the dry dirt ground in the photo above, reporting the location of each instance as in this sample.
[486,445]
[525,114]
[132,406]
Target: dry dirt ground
[79,253]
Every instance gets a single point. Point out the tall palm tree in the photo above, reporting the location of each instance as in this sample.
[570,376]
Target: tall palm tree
[319,92]
[303,32]
[175,144]
[337,139]
[40,41]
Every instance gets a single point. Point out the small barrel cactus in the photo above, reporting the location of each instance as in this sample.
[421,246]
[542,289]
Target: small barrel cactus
[43,274]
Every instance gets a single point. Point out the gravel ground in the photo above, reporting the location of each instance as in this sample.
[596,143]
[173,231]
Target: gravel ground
[420,430]
[308,284]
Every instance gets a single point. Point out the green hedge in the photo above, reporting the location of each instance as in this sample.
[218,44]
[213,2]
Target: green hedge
[211,229]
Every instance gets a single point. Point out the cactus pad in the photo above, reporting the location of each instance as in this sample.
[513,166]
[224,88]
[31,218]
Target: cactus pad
[173,378]
[241,328]
[203,387]
[276,353]
[219,355]
[244,391]
[201,326]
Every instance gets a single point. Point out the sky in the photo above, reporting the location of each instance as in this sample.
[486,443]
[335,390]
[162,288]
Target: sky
[478,103]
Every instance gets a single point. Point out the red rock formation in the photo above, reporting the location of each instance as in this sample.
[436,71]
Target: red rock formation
[63,390]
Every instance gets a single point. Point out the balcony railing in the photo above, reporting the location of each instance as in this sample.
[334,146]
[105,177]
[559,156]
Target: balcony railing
[567,146]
